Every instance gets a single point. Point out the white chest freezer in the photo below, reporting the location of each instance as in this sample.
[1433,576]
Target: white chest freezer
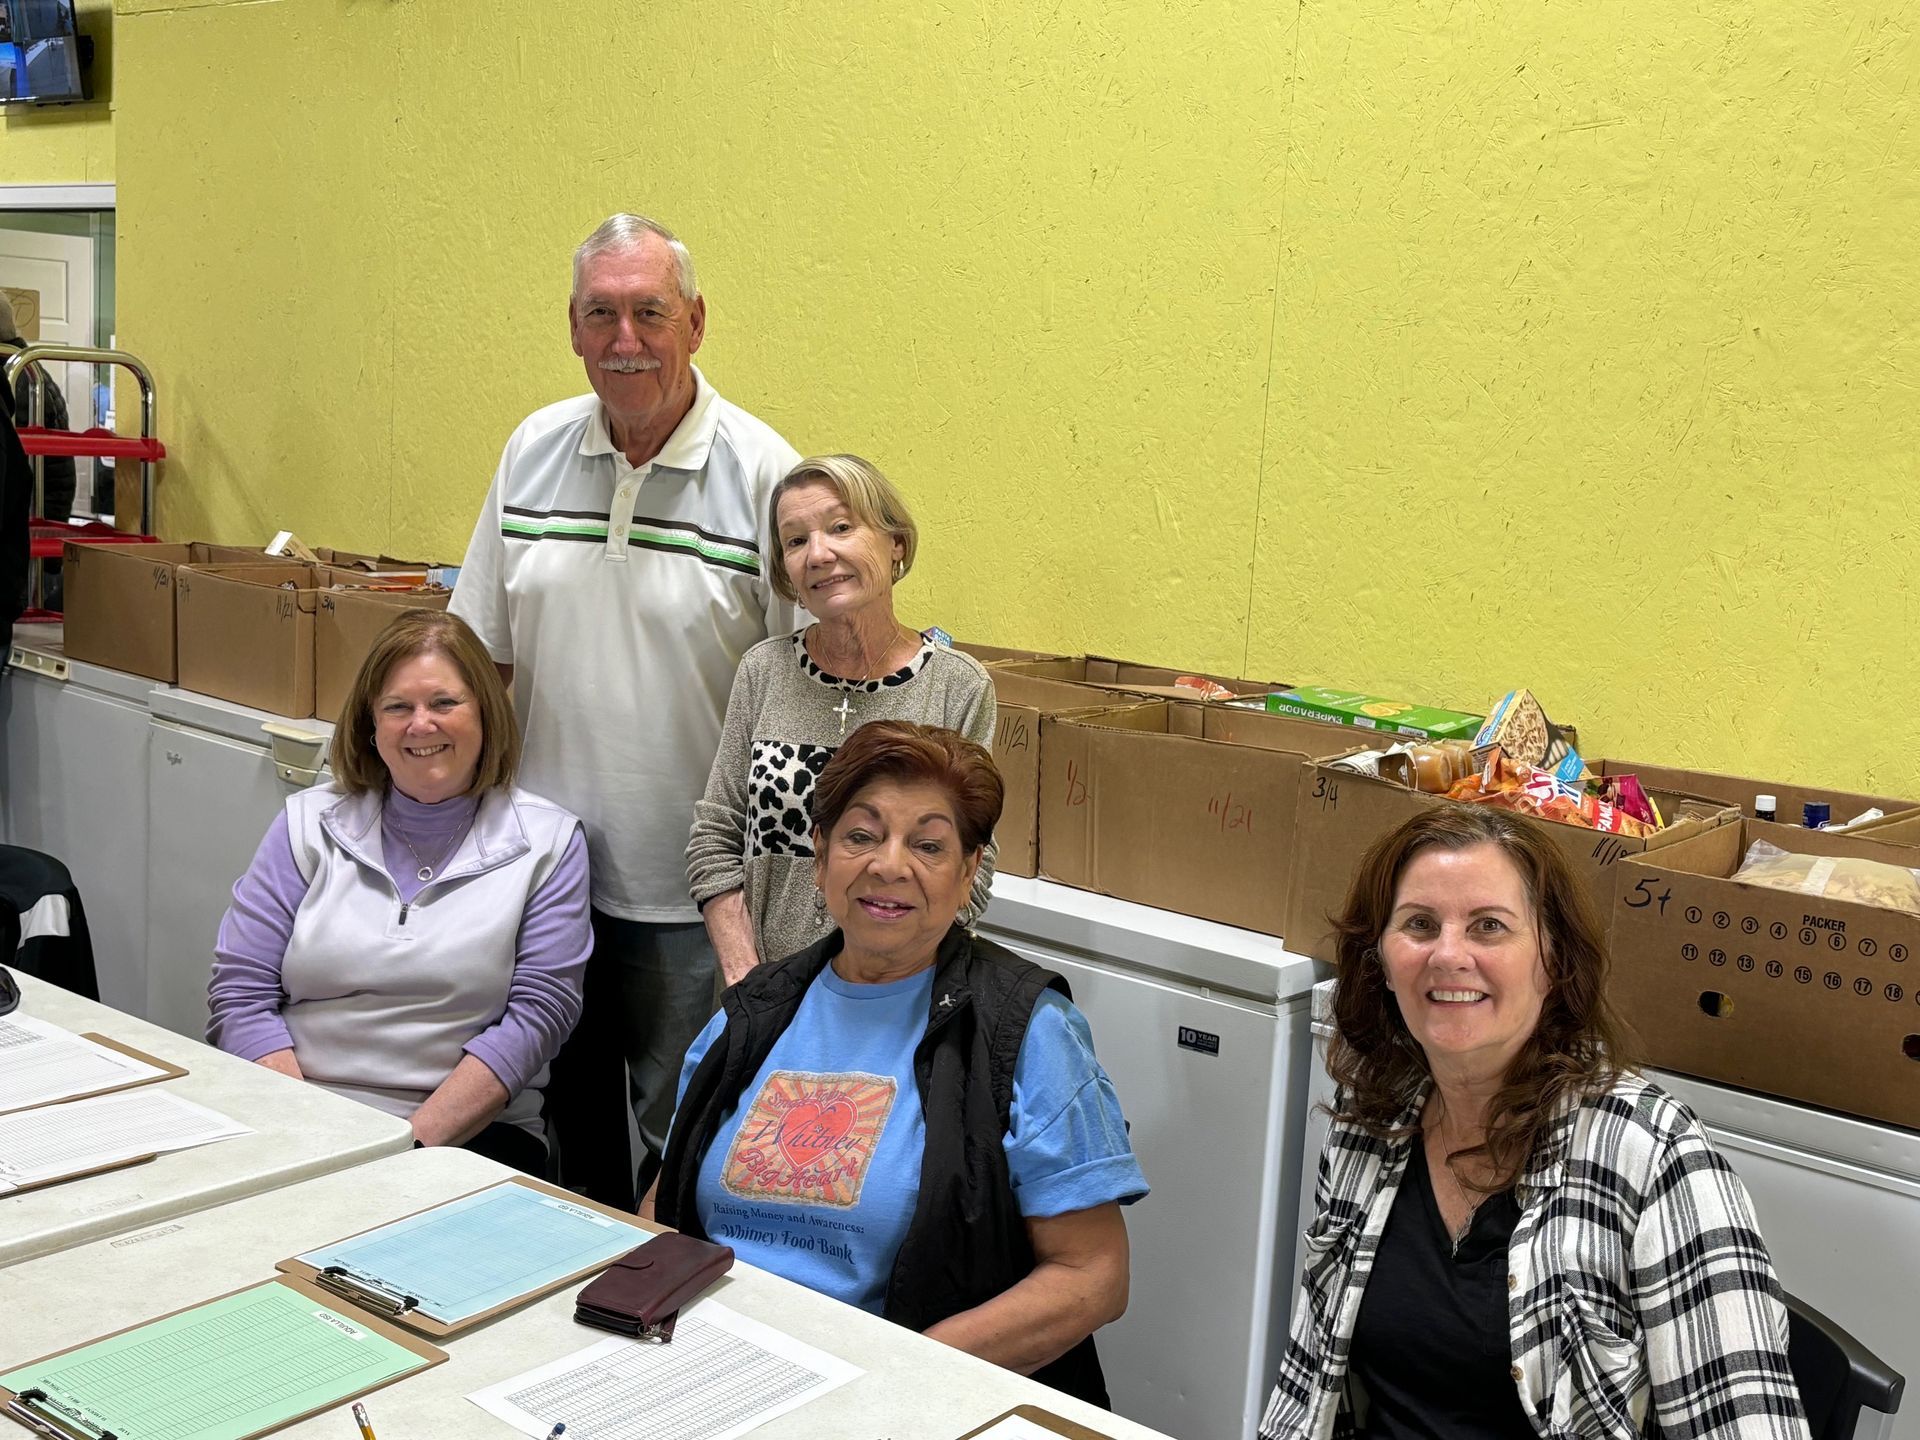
[73,783]
[1204,1029]
[214,785]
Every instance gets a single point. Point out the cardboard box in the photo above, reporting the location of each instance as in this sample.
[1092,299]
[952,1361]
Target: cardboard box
[346,624]
[120,601]
[246,633]
[1179,804]
[1129,677]
[1775,991]
[1370,712]
[1342,813]
[999,654]
[1739,791]
[1021,702]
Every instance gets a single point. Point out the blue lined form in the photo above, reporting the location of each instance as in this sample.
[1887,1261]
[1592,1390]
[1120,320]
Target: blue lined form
[481,1250]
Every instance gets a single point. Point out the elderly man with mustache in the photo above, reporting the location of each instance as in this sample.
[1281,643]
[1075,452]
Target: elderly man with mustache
[615,576]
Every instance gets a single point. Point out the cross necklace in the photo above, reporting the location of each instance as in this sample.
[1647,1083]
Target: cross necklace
[845,707]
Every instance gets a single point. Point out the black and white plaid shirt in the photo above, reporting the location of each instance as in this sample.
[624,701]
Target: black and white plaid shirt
[1643,1301]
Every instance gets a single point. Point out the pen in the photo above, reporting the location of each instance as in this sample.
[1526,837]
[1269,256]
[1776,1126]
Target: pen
[559,1429]
[360,1419]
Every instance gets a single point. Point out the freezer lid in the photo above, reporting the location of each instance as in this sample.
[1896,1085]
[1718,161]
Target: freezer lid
[1180,947]
[35,642]
[223,717]
[1870,1144]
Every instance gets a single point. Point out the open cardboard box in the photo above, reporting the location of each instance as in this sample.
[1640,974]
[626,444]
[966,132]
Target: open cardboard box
[1773,990]
[1342,813]
[1128,677]
[1179,804]
[1021,701]
[1739,791]
[246,633]
[1000,654]
[120,601]
[346,623]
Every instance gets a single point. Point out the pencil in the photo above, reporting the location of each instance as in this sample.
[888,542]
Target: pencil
[360,1419]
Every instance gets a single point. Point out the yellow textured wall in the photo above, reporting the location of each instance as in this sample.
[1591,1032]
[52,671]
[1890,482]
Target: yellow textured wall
[1423,347]
[66,144]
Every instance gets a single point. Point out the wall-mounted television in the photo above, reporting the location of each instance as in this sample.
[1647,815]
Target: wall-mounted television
[43,58]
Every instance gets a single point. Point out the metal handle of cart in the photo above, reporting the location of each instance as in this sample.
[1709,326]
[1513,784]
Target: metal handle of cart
[37,353]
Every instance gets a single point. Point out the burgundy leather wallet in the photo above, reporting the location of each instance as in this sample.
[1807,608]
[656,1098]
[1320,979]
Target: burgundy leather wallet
[640,1293]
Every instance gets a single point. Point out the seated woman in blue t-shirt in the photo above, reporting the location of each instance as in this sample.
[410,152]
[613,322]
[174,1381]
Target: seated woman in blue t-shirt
[905,1116]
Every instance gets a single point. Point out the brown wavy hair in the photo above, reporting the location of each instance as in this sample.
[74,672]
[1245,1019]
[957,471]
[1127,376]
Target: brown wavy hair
[1579,1046]
[910,754]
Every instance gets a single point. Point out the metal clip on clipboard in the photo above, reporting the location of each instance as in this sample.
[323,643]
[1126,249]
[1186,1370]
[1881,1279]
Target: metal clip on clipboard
[32,1409]
[347,1285]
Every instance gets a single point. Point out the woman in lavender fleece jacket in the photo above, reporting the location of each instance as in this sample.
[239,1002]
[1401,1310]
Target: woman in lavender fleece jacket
[414,934]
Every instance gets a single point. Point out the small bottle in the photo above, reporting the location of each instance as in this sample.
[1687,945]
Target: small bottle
[1815,814]
[1764,807]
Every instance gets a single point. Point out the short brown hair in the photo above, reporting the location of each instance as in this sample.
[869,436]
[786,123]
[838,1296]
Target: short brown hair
[910,754]
[874,500]
[1578,1046]
[357,766]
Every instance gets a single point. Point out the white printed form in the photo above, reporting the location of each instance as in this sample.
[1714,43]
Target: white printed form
[722,1376]
[57,1140]
[41,1063]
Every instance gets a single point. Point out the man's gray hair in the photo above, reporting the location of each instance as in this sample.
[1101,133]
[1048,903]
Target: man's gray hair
[623,232]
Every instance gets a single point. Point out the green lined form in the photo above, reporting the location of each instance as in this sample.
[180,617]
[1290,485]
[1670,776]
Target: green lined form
[230,1368]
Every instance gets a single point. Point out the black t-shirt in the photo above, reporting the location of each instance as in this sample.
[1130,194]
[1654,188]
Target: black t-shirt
[1431,1343]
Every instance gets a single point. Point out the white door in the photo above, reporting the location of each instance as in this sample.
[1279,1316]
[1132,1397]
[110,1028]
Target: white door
[59,269]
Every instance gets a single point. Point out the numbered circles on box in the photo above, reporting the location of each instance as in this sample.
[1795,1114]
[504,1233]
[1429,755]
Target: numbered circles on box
[1803,973]
[1721,919]
[1867,946]
[1689,952]
[1775,969]
[1894,993]
[1863,986]
[1897,952]
[1693,914]
[1744,963]
[1837,941]
[1778,930]
[1807,937]
[1749,925]
[1716,957]
[1831,979]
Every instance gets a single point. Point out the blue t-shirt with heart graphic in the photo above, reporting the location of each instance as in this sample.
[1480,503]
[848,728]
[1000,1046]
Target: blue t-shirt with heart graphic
[815,1173]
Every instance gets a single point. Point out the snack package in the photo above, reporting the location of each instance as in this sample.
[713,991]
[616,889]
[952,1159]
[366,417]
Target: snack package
[1519,725]
[1206,689]
[1832,877]
[1513,785]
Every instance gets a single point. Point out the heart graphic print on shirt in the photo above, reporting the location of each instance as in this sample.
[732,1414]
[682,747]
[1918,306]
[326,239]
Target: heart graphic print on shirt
[809,1139]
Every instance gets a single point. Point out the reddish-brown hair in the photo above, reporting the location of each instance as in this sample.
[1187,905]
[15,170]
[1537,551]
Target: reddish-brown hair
[909,754]
[357,766]
[1578,1046]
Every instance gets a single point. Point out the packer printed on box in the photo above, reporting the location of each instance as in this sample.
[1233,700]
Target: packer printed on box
[1813,996]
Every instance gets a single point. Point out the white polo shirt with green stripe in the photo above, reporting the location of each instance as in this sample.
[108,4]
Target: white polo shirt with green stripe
[624,599]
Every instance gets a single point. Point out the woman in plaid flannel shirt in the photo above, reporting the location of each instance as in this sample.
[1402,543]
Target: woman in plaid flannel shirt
[1567,1255]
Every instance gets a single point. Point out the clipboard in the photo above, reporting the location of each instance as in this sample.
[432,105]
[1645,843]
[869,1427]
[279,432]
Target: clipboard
[397,1309]
[1045,1419]
[45,1420]
[168,1071]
